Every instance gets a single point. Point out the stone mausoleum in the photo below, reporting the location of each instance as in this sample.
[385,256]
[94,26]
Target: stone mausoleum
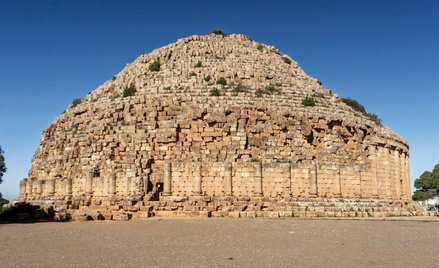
[218,125]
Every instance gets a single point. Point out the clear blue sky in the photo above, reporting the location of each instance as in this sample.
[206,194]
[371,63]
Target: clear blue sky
[383,53]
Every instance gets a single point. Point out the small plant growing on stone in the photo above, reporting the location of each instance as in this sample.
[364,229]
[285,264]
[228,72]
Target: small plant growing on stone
[270,89]
[221,81]
[75,102]
[207,78]
[308,101]
[192,74]
[283,160]
[237,89]
[74,205]
[320,83]
[286,60]
[114,78]
[198,65]
[155,66]
[215,92]
[259,92]
[130,90]
[217,32]
[260,47]
[254,160]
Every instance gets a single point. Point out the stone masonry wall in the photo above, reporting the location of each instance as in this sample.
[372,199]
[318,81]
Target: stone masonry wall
[174,138]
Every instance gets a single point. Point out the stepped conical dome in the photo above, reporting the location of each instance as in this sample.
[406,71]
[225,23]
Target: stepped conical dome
[215,116]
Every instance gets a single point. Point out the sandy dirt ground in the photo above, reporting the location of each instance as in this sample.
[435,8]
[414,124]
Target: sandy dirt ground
[221,243]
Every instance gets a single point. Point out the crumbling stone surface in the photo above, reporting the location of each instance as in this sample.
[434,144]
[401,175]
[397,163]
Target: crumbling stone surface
[175,147]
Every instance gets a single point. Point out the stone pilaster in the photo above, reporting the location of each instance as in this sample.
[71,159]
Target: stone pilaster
[69,187]
[167,180]
[337,181]
[197,179]
[39,188]
[407,177]
[112,184]
[374,171]
[50,187]
[228,191]
[89,183]
[22,193]
[313,186]
[287,190]
[397,174]
[257,179]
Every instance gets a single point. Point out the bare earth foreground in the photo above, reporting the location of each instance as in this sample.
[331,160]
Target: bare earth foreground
[221,243]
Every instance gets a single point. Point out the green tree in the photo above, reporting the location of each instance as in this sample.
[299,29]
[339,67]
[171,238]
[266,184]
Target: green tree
[427,184]
[2,164]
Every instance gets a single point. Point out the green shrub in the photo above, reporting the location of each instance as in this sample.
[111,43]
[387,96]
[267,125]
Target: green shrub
[75,102]
[308,101]
[192,74]
[260,47]
[215,92]
[221,81]
[360,108]
[217,32]
[283,160]
[270,89]
[286,60]
[354,105]
[155,66]
[237,89]
[130,90]
[374,118]
[207,78]
[74,205]
[198,65]
[259,92]
[114,78]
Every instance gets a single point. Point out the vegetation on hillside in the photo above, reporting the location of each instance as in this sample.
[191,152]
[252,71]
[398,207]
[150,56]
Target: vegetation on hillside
[360,108]
[308,101]
[155,66]
[217,32]
[75,102]
[221,81]
[130,90]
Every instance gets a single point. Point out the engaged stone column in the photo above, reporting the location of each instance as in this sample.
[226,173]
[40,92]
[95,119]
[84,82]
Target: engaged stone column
[39,184]
[112,185]
[69,187]
[407,177]
[258,179]
[397,174]
[228,179]
[313,180]
[51,187]
[287,182]
[402,176]
[374,170]
[167,180]
[197,179]
[89,183]
[337,181]
[23,188]
[28,188]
